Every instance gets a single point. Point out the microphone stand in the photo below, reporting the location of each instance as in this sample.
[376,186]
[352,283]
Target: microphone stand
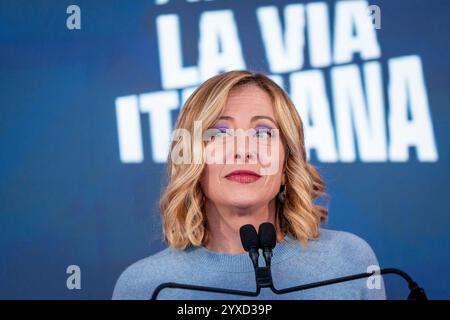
[264,280]
[175,285]
[415,293]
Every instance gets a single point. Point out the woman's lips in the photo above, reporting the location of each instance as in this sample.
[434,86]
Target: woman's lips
[243,177]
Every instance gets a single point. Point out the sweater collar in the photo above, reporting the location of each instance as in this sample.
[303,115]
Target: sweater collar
[240,262]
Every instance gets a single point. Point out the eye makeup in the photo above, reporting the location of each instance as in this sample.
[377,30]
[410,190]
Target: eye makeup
[265,129]
[257,123]
[262,128]
[221,128]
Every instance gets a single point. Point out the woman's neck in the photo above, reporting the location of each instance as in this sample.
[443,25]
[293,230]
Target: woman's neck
[224,224]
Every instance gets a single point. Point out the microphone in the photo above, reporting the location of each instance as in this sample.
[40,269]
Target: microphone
[267,240]
[250,242]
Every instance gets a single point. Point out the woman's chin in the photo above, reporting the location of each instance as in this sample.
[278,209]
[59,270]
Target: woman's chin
[244,200]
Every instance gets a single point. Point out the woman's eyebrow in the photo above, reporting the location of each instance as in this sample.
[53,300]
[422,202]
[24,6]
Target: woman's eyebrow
[226,118]
[263,117]
[254,118]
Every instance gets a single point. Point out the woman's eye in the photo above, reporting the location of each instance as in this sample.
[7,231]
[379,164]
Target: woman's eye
[222,131]
[217,132]
[263,132]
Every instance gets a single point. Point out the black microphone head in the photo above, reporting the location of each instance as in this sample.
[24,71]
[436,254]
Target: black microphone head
[267,235]
[249,237]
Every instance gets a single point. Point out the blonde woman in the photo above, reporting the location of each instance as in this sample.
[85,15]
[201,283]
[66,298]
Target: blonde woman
[219,180]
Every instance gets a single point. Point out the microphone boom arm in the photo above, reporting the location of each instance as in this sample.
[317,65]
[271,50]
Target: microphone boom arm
[175,285]
[416,293]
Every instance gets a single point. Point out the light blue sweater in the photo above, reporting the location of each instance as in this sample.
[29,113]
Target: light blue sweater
[334,254]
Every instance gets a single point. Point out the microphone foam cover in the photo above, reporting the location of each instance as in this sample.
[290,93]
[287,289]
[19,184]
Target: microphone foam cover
[249,237]
[267,235]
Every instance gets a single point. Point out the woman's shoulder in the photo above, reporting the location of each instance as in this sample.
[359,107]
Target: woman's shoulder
[139,279]
[336,254]
[346,247]
[341,239]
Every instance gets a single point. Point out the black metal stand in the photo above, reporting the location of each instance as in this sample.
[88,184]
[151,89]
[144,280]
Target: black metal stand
[264,280]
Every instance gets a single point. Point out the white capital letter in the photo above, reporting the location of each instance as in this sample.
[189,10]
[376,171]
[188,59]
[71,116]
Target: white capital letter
[407,92]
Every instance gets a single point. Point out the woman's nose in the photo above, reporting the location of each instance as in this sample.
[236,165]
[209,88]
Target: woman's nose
[240,155]
[245,153]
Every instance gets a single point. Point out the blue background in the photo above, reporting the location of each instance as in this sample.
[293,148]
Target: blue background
[66,198]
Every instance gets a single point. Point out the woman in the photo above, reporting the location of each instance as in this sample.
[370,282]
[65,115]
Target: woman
[220,180]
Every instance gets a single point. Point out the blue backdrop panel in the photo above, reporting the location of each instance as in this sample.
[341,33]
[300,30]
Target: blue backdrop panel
[76,190]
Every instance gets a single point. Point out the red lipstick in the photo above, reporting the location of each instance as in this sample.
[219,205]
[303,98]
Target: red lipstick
[243,176]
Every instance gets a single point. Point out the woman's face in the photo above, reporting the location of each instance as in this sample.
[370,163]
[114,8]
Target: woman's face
[252,145]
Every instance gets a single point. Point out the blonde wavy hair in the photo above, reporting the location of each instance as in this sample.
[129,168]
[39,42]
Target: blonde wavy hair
[182,201]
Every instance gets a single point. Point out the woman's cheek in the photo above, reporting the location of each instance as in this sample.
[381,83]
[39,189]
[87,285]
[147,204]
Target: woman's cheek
[216,153]
[270,165]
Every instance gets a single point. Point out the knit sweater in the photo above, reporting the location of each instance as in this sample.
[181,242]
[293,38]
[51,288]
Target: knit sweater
[334,254]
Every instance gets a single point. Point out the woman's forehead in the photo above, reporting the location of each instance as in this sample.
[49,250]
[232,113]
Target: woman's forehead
[248,99]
